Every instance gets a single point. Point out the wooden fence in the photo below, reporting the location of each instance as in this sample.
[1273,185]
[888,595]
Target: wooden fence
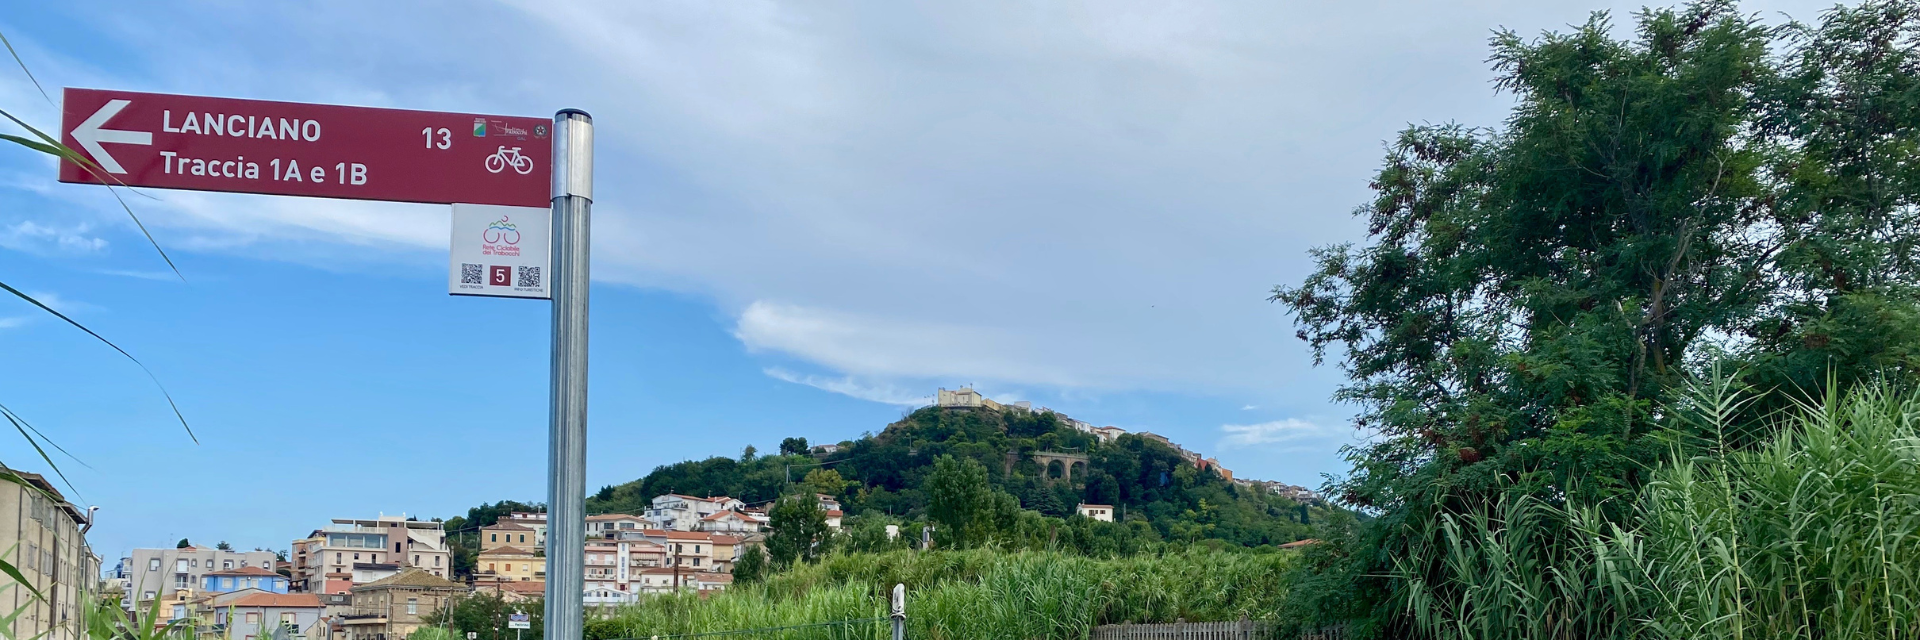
[1240,630]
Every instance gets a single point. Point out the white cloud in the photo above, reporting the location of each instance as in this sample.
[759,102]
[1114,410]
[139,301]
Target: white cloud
[35,237]
[1286,434]
[848,386]
[883,347]
[1249,407]
[11,322]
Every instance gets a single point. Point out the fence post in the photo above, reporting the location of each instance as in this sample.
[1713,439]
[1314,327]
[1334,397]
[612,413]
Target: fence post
[899,612]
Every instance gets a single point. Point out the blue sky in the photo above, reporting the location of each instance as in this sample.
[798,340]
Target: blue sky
[808,217]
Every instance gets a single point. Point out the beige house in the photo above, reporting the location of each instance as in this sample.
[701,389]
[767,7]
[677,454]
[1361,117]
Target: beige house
[508,534]
[510,564]
[48,544]
[392,608]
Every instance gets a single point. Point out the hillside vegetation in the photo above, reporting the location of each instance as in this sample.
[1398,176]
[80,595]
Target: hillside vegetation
[882,478]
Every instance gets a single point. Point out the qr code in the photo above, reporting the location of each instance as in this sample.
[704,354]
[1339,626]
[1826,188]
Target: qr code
[472,274]
[529,277]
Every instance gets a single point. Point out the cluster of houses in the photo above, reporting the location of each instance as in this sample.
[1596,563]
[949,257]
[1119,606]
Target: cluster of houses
[382,578]
[968,398]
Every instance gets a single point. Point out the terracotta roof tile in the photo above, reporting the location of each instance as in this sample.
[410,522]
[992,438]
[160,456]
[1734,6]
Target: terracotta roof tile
[277,600]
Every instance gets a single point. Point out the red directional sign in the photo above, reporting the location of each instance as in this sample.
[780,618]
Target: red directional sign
[287,148]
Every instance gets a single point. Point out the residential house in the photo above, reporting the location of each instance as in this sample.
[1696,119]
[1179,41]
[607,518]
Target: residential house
[1101,512]
[509,564]
[337,547]
[256,615]
[824,449]
[607,524]
[696,550]
[244,578]
[335,607]
[1107,435]
[47,544]
[515,591]
[176,576]
[507,533]
[733,522]
[393,607]
[683,513]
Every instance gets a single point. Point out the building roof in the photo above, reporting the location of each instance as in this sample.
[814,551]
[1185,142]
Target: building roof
[525,586]
[410,577]
[679,535]
[506,551]
[724,540]
[717,515]
[504,525]
[1299,543]
[1084,505]
[614,516]
[244,571]
[835,513]
[277,600]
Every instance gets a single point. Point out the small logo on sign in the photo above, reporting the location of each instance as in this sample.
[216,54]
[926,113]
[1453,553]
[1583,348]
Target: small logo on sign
[539,131]
[479,127]
[500,275]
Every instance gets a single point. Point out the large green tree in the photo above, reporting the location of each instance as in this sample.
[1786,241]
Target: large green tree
[797,530]
[1707,191]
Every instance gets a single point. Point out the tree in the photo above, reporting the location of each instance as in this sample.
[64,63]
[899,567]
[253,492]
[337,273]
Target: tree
[182,544]
[751,566]
[748,454]
[1530,297]
[960,502]
[223,546]
[797,530]
[485,613]
[825,481]
[793,447]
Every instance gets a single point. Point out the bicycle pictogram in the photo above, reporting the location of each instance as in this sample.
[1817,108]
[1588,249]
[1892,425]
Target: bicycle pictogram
[509,157]
[501,230]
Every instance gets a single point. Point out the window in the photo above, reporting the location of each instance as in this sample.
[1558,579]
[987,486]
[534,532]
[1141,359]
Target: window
[194,563]
[253,617]
[147,595]
[180,566]
[356,556]
[153,564]
[226,564]
[509,566]
[696,548]
[493,537]
[696,562]
[336,558]
[416,559]
[489,566]
[286,617]
[523,537]
[436,561]
[413,606]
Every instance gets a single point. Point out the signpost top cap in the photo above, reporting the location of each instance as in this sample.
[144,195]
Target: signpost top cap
[572,113]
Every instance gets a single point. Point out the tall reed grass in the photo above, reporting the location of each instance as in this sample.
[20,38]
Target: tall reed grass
[979,594]
[1814,534]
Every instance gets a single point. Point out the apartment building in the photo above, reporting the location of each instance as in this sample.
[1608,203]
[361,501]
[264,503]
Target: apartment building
[607,524]
[683,513]
[336,548]
[613,567]
[393,607]
[244,578]
[48,545]
[696,550]
[177,576]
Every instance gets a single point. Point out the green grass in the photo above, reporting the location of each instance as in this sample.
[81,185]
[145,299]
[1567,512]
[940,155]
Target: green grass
[1814,534]
[980,594]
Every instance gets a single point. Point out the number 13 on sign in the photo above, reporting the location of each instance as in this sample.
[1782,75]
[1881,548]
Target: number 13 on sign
[445,137]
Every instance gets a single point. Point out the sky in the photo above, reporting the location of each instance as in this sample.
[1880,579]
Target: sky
[807,217]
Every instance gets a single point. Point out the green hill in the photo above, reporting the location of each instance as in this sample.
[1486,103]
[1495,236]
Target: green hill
[1160,494]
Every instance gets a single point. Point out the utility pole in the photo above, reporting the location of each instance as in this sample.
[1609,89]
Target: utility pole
[567,417]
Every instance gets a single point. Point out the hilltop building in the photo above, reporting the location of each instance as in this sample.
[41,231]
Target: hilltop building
[338,547]
[678,512]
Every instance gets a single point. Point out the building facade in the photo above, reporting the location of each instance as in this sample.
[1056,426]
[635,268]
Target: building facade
[1101,512]
[506,533]
[48,546]
[336,548]
[606,525]
[683,513]
[244,578]
[509,564]
[256,616]
[393,607]
[177,576]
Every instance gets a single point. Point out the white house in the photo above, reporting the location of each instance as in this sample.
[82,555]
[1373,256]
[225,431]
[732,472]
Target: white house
[683,513]
[1101,512]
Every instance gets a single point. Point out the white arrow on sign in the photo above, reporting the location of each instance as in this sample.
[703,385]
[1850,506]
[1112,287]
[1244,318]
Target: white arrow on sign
[90,135]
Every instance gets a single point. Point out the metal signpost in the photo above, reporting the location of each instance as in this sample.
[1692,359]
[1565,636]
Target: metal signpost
[501,173]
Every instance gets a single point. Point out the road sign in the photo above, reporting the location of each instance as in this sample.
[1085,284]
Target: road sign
[500,251]
[518,621]
[286,148]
